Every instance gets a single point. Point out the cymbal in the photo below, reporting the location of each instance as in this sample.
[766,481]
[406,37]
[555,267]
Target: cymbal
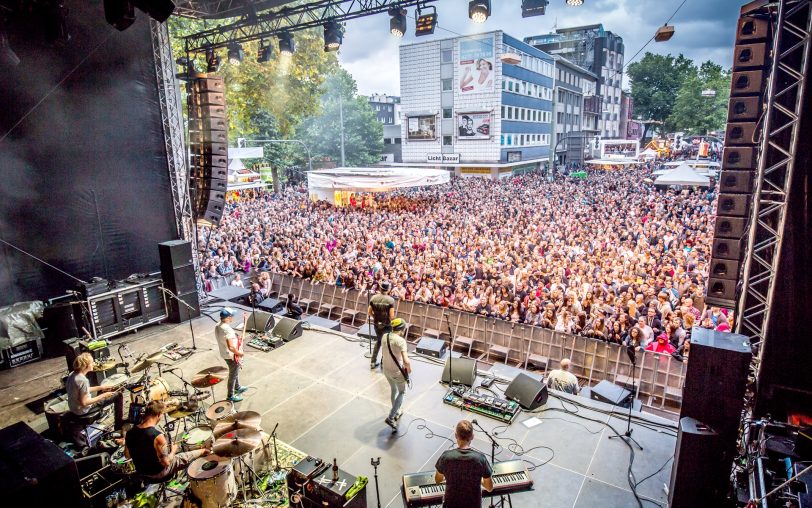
[142,365]
[209,377]
[198,396]
[237,442]
[106,365]
[243,420]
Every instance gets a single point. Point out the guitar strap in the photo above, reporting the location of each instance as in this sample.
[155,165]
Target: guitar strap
[400,367]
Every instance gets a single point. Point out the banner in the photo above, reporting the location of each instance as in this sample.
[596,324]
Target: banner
[475,66]
[473,125]
[422,127]
[619,149]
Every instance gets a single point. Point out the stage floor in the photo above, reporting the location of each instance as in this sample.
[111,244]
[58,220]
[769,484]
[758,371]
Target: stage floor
[328,403]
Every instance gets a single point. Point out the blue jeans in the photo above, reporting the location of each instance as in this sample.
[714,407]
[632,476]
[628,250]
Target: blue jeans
[398,390]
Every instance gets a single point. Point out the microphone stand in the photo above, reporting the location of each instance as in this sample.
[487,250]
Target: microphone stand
[177,299]
[450,354]
[627,436]
[275,451]
[375,463]
[369,324]
[493,460]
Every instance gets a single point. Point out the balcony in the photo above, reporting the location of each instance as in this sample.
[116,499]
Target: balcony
[593,105]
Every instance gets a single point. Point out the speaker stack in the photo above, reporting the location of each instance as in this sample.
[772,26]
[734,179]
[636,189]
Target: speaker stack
[208,140]
[739,159]
[178,274]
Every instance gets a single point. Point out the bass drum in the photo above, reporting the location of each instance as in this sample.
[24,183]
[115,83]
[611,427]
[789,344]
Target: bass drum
[158,390]
[212,481]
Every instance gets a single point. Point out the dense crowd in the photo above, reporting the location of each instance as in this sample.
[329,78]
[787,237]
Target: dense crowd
[609,257]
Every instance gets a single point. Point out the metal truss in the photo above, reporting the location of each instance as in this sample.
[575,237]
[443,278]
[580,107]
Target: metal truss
[218,9]
[253,27]
[779,142]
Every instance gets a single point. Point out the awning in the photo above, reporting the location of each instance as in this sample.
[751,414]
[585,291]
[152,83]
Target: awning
[683,175]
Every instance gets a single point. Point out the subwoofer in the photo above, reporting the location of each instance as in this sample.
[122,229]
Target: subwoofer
[287,329]
[528,392]
[698,478]
[463,371]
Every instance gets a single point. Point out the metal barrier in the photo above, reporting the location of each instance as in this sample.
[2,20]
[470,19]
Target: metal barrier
[658,378]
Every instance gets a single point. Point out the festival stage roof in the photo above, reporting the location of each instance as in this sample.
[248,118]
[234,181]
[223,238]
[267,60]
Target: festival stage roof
[374,179]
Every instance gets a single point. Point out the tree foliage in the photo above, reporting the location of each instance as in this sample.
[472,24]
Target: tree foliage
[695,113]
[655,81]
[363,134]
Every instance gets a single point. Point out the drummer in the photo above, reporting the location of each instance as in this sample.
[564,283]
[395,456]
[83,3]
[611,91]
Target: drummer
[150,451]
[83,405]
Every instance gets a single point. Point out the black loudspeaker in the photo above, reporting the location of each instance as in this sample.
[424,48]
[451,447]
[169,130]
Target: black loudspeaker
[750,55]
[220,149]
[736,182]
[730,227]
[739,157]
[178,313]
[716,380]
[529,393]
[698,477]
[721,289]
[209,84]
[208,110]
[724,269]
[737,205]
[60,322]
[159,10]
[747,83]
[119,13]
[182,280]
[208,138]
[463,370]
[610,393]
[175,253]
[259,321]
[287,329]
[35,472]
[740,133]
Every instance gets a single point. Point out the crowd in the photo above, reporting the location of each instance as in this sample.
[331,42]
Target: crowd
[609,257]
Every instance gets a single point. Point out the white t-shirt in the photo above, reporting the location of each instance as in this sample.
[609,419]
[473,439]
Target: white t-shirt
[223,332]
[398,345]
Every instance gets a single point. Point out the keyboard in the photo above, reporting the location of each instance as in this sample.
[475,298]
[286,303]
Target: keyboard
[509,477]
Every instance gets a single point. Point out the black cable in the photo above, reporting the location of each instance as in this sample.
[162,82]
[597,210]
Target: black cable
[655,472]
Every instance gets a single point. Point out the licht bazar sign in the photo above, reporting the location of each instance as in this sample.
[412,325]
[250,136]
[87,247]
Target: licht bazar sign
[443,158]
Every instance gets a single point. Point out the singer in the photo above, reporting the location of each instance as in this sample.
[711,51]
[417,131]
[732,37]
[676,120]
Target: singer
[230,345]
[463,470]
[382,310]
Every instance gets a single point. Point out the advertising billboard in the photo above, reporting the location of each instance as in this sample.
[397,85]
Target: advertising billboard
[475,64]
[422,127]
[619,149]
[473,125]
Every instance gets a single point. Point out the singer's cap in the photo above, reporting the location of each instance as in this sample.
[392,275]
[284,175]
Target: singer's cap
[226,312]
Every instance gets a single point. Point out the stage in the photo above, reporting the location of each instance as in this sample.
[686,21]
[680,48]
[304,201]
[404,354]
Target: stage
[328,403]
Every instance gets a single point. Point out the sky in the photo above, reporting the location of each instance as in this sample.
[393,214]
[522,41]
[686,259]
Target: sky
[705,30]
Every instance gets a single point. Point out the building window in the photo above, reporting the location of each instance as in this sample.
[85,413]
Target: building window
[503,113]
[397,141]
[522,114]
[446,112]
[447,86]
[387,141]
[510,113]
[447,141]
[445,56]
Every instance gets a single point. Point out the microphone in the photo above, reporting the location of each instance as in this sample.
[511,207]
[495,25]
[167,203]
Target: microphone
[475,422]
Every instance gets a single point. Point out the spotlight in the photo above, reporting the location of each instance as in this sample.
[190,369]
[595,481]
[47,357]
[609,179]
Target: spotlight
[159,10]
[264,52]
[287,46]
[212,60]
[119,13]
[332,36]
[397,23]
[479,10]
[425,23]
[8,58]
[235,53]
[575,3]
[534,8]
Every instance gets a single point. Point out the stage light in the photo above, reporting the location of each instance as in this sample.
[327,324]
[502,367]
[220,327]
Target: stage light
[264,52]
[287,46]
[235,53]
[332,36]
[664,33]
[159,10]
[425,23]
[397,23]
[575,3]
[479,10]
[119,13]
[212,61]
[532,8]
[8,57]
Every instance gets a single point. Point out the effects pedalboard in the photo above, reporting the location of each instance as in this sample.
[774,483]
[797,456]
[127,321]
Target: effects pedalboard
[499,409]
[264,342]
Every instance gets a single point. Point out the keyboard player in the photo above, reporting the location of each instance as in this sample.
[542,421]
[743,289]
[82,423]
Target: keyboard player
[464,470]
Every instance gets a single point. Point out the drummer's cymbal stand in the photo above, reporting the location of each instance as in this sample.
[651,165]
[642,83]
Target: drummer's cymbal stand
[253,478]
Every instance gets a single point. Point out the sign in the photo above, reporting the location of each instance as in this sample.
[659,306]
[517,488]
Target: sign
[443,158]
[514,156]
[473,126]
[475,65]
[422,128]
[475,171]
[387,157]
[619,149]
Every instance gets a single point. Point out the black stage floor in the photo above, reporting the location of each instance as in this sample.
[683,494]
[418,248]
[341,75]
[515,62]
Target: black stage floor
[328,403]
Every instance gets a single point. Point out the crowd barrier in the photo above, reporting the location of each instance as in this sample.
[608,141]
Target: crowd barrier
[658,378]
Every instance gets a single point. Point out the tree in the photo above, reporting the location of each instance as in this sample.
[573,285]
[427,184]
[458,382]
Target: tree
[698,114]
[655,81]
[363,134]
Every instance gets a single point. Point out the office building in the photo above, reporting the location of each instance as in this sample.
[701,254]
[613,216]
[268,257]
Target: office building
[387,110]
[572,123]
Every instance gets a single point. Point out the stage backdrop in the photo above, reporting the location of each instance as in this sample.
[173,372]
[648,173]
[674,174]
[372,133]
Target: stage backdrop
[84,182]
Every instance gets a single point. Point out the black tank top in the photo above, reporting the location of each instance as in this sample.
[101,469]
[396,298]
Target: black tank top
[381,304]
[141,445]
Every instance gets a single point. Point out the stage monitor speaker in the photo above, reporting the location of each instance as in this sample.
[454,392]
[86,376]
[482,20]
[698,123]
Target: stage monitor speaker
[178,313]
[729,227]
[287,329]
[736,181]
[528,392]
[259,321]
[463,371]
[611,393]
[716,379]
[726,248]
[175,253]
[698,475]
[36,472]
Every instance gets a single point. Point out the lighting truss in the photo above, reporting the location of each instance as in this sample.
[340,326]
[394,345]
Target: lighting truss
[220,9]
[264,25]
[779,143]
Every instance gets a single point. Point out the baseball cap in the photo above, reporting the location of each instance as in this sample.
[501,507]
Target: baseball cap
[398,324]
[226,312]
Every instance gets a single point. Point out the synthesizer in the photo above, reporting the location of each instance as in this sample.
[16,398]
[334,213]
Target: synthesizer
[493,407]
[509,477]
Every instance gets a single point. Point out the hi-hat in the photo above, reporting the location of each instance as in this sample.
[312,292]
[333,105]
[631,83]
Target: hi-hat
[209,377]
[106,365]
[242,420]
[199,396]
[237,442]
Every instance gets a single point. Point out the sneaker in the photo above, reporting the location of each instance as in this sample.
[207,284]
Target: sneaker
[391,423]
[235,398]
[397,416]
[240,389]
[374,365]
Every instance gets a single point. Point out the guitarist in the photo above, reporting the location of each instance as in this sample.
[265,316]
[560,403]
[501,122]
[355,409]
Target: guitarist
[396,368]
[230,345]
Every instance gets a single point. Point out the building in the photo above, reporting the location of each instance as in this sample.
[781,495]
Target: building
[572,83]
[387,110]
[481,104]
[601,52]
[630,127]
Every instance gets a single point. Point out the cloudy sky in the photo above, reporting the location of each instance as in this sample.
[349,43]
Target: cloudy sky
[705,30]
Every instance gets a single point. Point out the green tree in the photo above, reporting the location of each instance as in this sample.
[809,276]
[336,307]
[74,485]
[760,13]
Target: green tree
[363,134]
[655,81]
[698,114]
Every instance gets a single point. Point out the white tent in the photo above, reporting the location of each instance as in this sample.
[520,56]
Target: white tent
[324,184]
[648,153]
[683,175]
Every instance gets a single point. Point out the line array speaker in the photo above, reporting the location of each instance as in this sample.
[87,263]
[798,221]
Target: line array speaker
[179,276]
[208,140]
[751,59]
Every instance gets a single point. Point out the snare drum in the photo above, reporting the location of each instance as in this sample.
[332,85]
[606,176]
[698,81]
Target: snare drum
[212,481]
[158,390]
[197,438]
[116,380]
[121,464]
[218,411]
